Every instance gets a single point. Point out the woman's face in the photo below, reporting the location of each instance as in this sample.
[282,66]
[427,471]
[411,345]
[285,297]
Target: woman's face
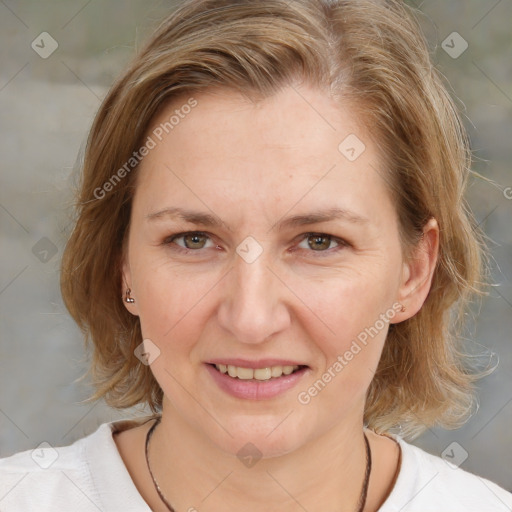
[263,235]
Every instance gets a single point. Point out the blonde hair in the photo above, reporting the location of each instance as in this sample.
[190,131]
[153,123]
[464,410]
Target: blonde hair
[368,53]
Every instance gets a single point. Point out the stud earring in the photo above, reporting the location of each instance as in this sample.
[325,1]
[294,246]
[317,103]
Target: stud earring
[403,309]
[127,298]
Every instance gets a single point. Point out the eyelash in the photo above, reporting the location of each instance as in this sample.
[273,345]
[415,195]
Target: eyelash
[169,241]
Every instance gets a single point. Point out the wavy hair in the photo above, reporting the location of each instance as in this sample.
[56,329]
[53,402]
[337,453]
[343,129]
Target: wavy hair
[369,53]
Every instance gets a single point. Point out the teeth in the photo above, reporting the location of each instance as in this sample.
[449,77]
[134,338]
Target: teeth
[276,371]
[287,370]
[263,373]
[258,373]
[244,373]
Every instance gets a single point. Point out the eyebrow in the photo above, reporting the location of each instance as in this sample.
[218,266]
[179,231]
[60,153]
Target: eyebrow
[208,220]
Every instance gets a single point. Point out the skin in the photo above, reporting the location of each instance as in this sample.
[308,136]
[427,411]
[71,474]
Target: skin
[251,165]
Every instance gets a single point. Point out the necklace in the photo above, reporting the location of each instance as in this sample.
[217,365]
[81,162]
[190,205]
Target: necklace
[362,498]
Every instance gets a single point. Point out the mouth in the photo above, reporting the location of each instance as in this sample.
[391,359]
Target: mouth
[267,373]
[266,381]
[262,379]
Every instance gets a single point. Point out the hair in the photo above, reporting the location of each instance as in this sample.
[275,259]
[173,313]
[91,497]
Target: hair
[369,54]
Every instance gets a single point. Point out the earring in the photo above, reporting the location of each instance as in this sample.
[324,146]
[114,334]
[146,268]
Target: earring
[403,309]
[127,298]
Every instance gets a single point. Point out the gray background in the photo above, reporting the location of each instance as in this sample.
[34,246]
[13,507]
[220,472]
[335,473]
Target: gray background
[47,106]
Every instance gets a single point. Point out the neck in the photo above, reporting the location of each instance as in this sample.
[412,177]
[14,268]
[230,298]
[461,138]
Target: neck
[326,473]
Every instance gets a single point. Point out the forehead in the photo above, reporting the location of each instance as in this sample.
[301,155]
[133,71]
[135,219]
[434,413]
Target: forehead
[298,145]
[301,122]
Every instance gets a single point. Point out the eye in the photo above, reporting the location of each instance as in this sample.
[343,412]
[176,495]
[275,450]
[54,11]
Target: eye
[192,240]
[321,242]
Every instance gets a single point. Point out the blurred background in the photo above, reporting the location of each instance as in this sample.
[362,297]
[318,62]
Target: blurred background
[58,59]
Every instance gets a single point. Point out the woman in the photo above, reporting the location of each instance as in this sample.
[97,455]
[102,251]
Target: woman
[271,241]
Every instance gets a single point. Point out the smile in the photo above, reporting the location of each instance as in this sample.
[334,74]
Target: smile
[271,372]
[261,383]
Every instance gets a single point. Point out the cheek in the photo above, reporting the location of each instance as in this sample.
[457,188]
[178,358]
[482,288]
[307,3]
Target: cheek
[344,306]
[170,302]
[349,328]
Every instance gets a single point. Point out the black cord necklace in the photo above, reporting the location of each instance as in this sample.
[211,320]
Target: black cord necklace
[362,498]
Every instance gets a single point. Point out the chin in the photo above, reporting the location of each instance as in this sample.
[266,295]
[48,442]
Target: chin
[263,437]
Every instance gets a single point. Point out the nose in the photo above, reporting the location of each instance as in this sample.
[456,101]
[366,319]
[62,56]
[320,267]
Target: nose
[253,306]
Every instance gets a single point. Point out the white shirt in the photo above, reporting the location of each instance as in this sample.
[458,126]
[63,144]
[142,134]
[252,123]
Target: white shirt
[90,475]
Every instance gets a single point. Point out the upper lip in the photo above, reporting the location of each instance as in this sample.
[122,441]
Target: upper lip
[260,363]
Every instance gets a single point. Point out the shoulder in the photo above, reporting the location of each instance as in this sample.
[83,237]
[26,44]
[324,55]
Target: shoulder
[45,477]
[429,483]
[86,475]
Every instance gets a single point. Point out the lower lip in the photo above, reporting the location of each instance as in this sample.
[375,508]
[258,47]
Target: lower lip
[254,389]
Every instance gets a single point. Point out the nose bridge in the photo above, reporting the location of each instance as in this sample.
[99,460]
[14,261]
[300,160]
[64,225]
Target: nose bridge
[253,307]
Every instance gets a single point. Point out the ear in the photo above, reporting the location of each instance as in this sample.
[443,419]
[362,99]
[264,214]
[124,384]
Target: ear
[418,272]
[126,283]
